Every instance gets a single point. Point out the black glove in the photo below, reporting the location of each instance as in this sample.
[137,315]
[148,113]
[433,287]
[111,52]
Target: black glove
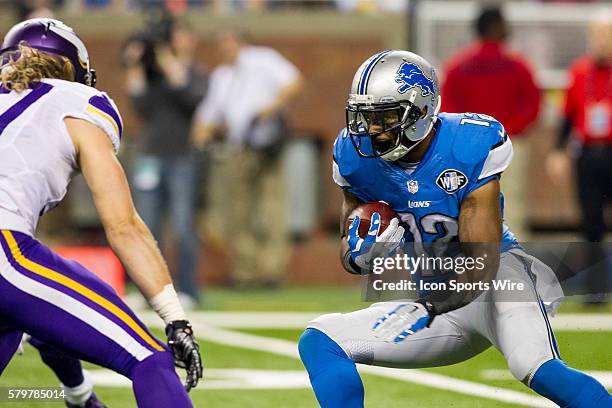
[186,350]
[431,309]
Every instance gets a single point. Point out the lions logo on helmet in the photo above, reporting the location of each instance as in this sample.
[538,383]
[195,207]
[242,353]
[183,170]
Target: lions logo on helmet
[383,119]
[410,75]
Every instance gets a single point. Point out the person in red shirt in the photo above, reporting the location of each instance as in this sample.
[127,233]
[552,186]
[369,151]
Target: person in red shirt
[588,113]
[488,78]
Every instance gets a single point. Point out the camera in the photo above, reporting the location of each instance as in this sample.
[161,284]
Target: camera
[157,31]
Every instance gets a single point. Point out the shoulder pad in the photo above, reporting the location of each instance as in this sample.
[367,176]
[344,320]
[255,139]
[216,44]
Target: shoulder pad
[345,153]
[351,171]
[339,141]
[87,103]
[342,163]
[481,141]
[475,135]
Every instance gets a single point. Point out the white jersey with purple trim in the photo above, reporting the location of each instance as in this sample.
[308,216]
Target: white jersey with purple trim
[37,157]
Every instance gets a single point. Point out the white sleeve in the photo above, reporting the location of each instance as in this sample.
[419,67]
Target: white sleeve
[338,179]
[72,99]
[209,111]
[102,111]
[498,160]
[285,73]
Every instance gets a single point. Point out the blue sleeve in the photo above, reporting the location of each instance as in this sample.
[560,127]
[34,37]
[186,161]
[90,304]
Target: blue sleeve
[351,172]
[490,156]
[338,161]
[479,183]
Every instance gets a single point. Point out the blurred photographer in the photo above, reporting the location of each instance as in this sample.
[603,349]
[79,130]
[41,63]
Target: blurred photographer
[165,87]
[249,92]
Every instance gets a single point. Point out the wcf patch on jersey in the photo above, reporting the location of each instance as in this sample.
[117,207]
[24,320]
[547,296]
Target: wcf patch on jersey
[451,180]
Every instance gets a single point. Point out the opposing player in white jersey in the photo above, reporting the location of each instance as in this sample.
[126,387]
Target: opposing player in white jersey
[440,172]
[53,124]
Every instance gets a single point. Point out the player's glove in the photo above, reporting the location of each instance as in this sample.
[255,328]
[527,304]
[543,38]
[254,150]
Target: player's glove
[186,350]
[404,320]
[363,250]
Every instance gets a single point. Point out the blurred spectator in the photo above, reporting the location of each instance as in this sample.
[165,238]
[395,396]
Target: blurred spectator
[231,6]
[247,96]
[27,9]
[75,7]
[487,78]
[175,7]
[165,87]
[372,6]
[588,111]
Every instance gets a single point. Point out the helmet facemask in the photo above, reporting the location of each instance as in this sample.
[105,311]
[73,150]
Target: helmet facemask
[377,129]
[393,104]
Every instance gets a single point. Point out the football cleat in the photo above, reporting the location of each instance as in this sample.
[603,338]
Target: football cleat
[92,402]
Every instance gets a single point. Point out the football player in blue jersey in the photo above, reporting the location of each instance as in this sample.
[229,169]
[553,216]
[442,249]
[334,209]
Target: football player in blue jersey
[440,173]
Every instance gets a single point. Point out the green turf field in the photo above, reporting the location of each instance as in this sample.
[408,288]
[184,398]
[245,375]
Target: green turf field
[584,350]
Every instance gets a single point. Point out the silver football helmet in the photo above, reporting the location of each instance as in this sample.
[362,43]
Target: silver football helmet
[393,105]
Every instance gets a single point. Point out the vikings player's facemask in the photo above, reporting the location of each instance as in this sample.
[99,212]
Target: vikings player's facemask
[376,129]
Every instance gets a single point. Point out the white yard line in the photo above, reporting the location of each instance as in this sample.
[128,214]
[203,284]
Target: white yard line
[221,379]
[289,349]
[299,320]
[582,322]
[460,386]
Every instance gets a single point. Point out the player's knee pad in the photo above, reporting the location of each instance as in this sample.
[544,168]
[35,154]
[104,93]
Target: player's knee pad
[317,350]
[310,347]
[331,324]
[525,359]
[338,327]
[332,373]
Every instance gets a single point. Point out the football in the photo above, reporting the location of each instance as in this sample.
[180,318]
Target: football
[365,211]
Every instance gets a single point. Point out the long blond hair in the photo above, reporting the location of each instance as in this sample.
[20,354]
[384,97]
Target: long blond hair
[31,65]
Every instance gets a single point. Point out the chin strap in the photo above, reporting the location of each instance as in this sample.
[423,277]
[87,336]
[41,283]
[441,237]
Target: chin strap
[402,149]
[434,117]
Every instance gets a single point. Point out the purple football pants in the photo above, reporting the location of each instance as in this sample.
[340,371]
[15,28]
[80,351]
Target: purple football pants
[63,304]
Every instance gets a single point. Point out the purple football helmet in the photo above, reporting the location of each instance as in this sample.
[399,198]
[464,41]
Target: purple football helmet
[53,37]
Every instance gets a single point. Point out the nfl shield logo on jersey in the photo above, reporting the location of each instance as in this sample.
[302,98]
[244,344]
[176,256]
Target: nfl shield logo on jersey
[413,186]
[451,180]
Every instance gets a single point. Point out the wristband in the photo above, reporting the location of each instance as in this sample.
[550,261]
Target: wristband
[350,265]
[167,305]
[431,309]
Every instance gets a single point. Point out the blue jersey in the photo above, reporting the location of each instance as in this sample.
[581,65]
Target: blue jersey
[467,151]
